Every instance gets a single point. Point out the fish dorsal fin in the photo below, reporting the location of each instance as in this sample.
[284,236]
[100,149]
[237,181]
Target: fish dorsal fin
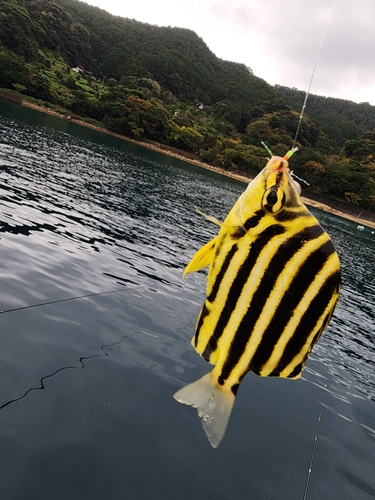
[209,217]
[202,258]
[234,228]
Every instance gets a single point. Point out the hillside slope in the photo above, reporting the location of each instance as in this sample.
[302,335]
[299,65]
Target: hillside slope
[165,85]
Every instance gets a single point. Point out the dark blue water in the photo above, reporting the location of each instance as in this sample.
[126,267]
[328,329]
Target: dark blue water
[86,384]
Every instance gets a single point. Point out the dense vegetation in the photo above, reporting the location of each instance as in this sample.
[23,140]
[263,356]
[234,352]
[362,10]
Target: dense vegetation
[165,85]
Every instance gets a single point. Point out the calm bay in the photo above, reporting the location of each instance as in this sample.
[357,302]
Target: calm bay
[96,233]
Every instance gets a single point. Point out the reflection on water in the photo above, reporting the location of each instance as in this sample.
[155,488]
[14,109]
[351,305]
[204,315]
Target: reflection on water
[83,214]
[348,349]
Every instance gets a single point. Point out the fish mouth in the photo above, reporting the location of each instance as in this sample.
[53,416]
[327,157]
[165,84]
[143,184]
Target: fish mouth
[277,164]
[277,172]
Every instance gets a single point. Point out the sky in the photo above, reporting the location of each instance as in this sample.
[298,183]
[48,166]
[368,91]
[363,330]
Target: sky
[328,43]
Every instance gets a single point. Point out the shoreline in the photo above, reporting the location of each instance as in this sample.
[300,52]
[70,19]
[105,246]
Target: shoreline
[169,151]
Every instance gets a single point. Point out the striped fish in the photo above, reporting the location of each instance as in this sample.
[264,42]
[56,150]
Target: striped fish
[272,286]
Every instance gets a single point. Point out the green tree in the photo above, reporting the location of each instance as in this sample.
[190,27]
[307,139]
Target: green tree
[17,31]
[13,70]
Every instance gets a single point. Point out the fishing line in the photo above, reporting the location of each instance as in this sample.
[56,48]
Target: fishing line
[58,301]
[312,75]
[312,456]
[314,446]
[81,359]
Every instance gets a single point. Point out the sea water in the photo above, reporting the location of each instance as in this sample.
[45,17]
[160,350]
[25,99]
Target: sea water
[95,336]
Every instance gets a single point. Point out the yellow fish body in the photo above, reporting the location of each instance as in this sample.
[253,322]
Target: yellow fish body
[272,286]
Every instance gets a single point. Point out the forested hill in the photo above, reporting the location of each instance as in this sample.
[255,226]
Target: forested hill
[339,119]
[164,84]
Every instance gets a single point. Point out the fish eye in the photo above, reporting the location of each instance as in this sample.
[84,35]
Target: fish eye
[273,199]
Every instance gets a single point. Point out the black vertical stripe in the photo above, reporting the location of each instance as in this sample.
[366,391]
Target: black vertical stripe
[279,175]
[297,369]
[254,220]
[221,273]
[289,302]
[294,198]
[289,215]
[316,309]
[234,388]
[283,254]
[219,244]
[204,312]
[238,233]
[240,280]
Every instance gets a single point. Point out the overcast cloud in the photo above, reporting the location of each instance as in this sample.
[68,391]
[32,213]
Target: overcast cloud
[278,40]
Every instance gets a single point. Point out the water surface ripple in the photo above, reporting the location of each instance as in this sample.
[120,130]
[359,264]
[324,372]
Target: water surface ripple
[86,383]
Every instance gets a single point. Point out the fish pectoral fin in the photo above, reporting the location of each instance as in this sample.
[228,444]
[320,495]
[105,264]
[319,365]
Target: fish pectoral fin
[202,258]
[213,402]
[209,217]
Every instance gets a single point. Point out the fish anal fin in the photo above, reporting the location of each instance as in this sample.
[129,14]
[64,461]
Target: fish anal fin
[213,402]
[202,258]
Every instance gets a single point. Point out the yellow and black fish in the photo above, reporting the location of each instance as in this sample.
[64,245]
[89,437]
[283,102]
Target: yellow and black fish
[272,286]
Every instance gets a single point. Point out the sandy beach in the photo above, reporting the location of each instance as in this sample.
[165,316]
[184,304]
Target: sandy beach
[181,155]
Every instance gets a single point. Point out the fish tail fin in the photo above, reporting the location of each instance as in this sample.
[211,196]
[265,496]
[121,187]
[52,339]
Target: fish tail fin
[213,402]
